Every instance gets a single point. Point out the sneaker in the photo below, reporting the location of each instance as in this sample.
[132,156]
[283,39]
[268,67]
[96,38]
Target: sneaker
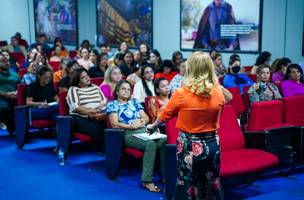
[2,126]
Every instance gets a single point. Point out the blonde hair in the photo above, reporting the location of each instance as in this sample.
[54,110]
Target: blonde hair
[200,75]
[107,75]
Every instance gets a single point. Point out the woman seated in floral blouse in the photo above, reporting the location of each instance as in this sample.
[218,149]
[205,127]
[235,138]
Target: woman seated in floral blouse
[176,82]
[126,113]
[158,102]
[263,90]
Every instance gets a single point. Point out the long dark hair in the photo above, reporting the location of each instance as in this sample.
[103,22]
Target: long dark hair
[146,88]
[294,66]
[75,78]
[42,69]
[117,88]
[262,58]
[282,62]
[156,85]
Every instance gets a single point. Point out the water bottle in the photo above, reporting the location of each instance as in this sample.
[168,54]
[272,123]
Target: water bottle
[61,157]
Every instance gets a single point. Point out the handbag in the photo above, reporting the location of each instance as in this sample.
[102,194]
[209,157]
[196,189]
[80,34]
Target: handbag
[100,116]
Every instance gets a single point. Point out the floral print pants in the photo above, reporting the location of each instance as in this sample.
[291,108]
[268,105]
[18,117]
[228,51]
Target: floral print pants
[198,167]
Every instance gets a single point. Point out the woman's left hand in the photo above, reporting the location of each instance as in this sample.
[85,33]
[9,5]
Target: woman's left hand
[150,128]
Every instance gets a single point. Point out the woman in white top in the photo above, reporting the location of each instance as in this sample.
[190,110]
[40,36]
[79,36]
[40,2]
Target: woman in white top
[86,104]
[145,87]
[84,60]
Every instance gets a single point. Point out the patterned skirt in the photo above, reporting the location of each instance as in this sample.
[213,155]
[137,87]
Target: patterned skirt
[198,167]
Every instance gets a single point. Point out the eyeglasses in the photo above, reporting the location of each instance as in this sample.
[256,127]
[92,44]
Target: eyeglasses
[149,72]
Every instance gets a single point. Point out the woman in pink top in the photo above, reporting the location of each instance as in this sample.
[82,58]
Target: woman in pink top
[111,78]
[279,75]
[293,86]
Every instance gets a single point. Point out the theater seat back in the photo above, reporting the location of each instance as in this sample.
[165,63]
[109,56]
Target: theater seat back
[230,134]
[293,111]
[63,105]
[265,114]
[171,131]
[237,100]
[21,94]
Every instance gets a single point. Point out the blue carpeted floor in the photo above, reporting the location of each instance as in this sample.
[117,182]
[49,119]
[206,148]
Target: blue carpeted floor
[34,173]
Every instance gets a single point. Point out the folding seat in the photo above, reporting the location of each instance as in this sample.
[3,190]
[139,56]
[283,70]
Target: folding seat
[236,159]
[246,100]
[22,71]
[267,131]
[55,65]
[247,69]
[64,127]
[97,81]
[253,77]
[22,119]
[19,57]
[237,100]
[72,54]
[293,113]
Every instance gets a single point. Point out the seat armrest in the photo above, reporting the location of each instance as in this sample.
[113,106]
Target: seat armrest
[64,129]
[21,124]
[114,139]
[170,170]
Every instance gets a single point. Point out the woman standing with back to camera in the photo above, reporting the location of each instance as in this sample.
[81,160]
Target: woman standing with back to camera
[198,106]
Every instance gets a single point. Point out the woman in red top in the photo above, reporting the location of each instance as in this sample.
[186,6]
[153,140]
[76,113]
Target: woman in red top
[198,105]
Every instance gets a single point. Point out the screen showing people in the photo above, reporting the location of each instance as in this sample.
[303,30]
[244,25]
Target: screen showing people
[223,25]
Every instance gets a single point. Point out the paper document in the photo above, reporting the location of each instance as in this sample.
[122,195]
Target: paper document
[146,136]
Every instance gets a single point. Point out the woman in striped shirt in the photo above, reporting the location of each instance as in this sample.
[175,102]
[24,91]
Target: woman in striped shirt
[86,102]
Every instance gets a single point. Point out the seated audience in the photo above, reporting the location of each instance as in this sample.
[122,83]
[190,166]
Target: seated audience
[137,58]
[30,76]
[8,94]
[84,60]
[280,72]
[13,64]
[176,82]
[157,103]
[15,47]
[21,41]
[177,58]
[64,83]
[155,60]
[100,68]
[220,70]
[263,89]
[93,56]
[128,114]
[166,71]
[85,44]
[112,77]
[293,84]
[58,75]
[234,78]
[40,93]
[104,48]
[61,50]
[136,76]
[263,58]
[41,43]
[145,87]
[123,48]
[86,104]
[144,52]
[128,65]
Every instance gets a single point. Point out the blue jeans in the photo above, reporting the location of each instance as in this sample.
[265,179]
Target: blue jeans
[50,112]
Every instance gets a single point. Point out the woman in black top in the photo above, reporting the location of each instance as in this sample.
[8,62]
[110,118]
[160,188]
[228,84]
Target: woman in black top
[41,95]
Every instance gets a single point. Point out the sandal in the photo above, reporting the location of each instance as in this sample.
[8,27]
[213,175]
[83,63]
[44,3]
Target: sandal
[151,187]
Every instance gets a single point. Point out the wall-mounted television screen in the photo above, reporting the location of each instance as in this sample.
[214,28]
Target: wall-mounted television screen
[222,25]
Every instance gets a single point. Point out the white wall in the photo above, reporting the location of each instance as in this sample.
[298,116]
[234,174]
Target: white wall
[281,31]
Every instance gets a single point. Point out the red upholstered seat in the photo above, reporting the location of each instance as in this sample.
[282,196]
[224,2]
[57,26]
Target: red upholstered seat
[246,100]
[253,77]
[235,158]
[72,54]
[245,161]
[171,131]
[265,114]
[247,69]
[237,100]
[41,123]
[19,57]
[21,94]
[55,65]
[97,81]
[82,137]
[22,71]
[293,110]
[133,152]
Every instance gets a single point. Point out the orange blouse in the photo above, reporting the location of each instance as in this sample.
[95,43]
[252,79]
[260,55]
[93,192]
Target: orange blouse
[195,114]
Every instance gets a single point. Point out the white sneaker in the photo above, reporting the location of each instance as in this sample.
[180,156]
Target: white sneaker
[2,126]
